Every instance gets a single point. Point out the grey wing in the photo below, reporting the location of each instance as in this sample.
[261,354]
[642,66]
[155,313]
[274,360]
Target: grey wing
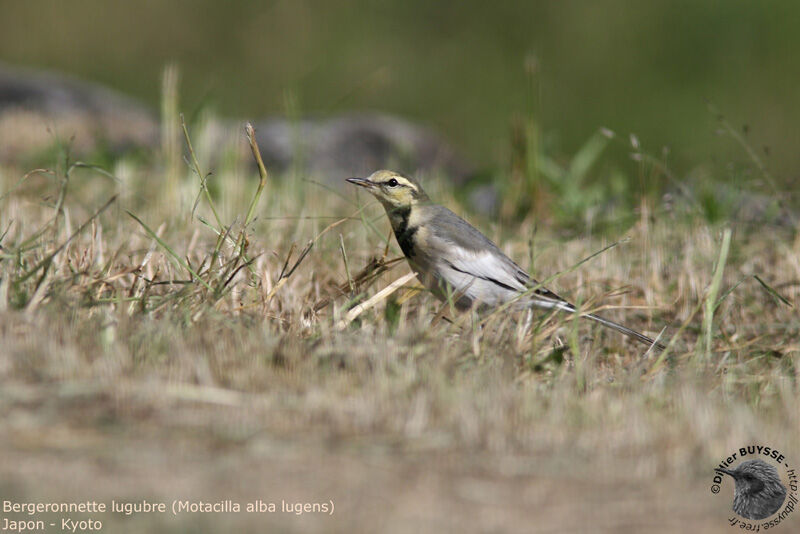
[470,254]
[467,248]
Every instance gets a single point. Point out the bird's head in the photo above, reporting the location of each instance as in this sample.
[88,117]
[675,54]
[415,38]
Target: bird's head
[394,190]
[759,492]
[753,476]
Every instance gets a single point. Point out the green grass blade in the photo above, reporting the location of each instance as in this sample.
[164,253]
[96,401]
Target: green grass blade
[171,252]
[713,291]
[772,292]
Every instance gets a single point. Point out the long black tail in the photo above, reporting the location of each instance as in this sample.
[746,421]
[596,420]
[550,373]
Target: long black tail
[633,334]
[549,300]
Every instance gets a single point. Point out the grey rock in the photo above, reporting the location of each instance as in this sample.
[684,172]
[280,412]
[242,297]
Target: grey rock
[37,107]
[485,199]
[357,144]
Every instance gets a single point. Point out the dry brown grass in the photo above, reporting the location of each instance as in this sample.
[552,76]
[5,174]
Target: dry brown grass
[125,377]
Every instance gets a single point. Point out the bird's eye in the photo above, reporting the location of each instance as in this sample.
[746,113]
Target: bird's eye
[392,183]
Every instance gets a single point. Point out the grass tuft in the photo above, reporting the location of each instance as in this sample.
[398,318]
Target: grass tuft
[322,371]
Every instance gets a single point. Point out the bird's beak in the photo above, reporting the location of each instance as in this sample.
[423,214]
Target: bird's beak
[725,471]
[363,182]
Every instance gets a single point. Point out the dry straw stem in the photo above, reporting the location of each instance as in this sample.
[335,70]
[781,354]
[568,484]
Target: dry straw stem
[170,141]
[203,177]
[180,261]
[285,274]
[262,171]
[374,268]
[374,300]
[206,394]
[49,258]
[346,265]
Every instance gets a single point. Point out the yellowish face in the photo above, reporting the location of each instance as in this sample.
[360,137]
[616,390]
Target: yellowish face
[392,189]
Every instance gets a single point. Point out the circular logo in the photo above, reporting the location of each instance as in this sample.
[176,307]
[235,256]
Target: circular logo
[764,486]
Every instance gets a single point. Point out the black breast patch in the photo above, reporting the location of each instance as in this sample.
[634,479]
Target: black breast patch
[404,233]
[406,240]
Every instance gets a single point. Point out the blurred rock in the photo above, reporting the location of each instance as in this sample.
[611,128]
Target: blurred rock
[37,108]
[485,199]
[356,145]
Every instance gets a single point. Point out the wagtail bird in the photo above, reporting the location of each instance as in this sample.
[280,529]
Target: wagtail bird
[454,260]
[759,492]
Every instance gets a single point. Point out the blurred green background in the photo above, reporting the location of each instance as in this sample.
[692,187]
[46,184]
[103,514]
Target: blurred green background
[648,68]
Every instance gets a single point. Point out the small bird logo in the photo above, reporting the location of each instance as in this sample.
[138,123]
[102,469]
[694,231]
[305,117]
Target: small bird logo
[759,492]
